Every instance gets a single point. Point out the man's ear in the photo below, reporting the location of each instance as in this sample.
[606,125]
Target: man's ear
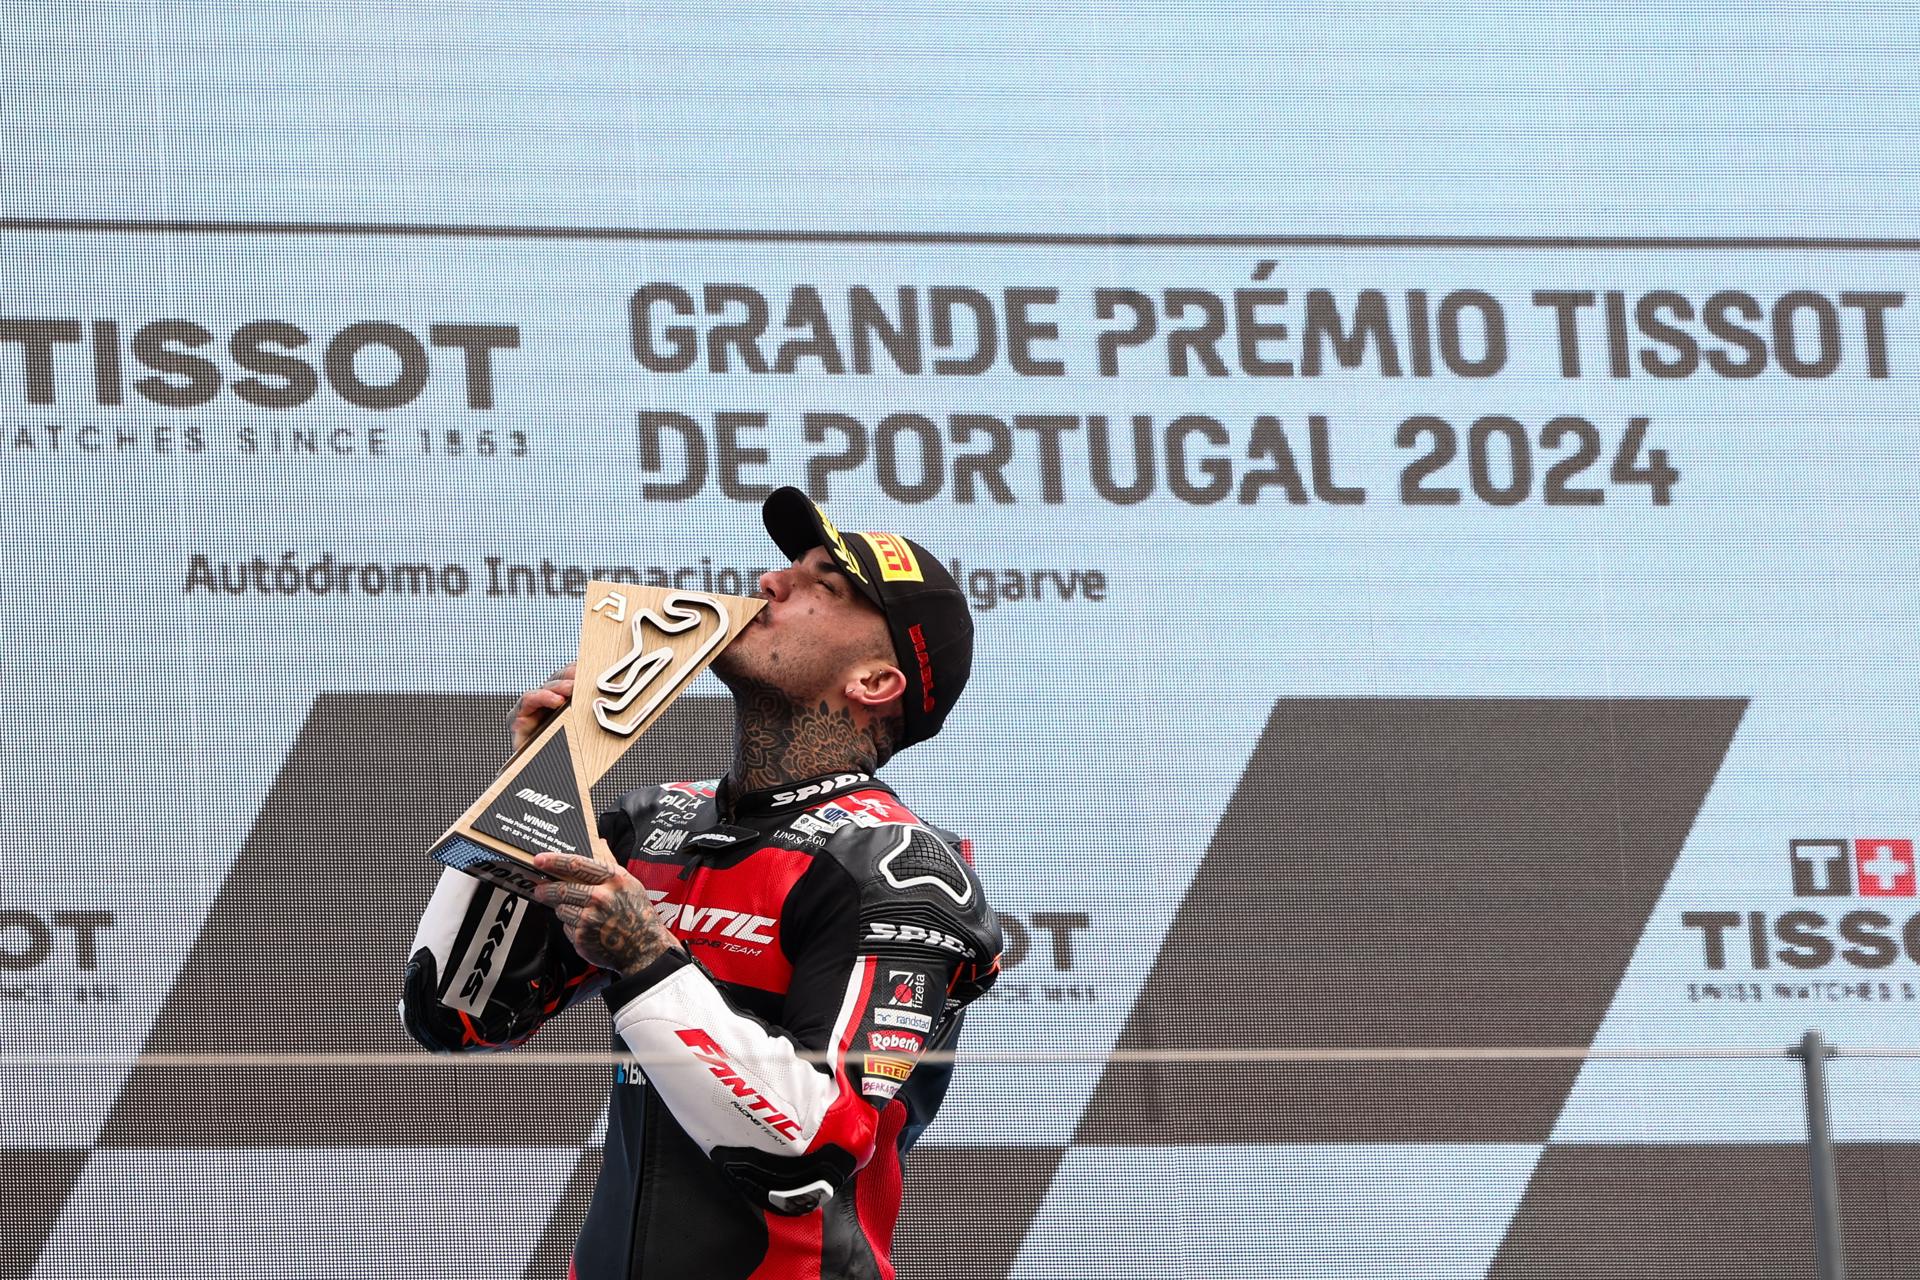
[876,686]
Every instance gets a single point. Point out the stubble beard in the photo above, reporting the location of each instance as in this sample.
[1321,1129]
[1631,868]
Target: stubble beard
[757,668]
[740,661]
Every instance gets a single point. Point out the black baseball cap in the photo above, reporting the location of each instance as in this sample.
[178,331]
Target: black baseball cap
[926,611]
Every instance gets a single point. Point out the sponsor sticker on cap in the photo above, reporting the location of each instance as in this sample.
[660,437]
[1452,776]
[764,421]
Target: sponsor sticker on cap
[896,559]
[837,544]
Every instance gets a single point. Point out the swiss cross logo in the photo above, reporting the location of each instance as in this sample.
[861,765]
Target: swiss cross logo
[1884,868]
[877,806]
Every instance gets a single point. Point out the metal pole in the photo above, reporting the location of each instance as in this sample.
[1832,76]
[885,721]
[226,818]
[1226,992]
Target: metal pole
[1829,1252]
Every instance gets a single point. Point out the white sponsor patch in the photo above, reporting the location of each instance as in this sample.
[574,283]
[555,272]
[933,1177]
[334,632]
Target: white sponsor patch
[903,1018]
[662,840]
[875,1087]
[820,824]
[894,1041]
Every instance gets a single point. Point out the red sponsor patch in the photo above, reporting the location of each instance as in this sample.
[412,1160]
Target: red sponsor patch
[729,917]
[896,1041]
[925,663]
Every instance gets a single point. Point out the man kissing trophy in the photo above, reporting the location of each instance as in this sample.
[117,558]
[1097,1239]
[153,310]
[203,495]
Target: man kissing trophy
[777,948]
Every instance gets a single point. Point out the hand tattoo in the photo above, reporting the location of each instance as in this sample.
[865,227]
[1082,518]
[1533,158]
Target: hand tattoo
[607,914]
[624,937]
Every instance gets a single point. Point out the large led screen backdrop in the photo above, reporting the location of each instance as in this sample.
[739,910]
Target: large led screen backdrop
[1436,492]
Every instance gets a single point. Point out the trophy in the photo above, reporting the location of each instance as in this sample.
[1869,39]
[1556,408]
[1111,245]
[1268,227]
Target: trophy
[640,647]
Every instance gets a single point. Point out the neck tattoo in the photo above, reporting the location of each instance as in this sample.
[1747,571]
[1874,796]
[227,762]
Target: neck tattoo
[778,741]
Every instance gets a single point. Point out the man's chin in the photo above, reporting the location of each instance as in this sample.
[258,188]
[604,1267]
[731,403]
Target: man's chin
[731,664]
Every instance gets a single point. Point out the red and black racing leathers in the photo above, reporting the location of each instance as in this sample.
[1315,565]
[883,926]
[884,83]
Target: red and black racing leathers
[834,937]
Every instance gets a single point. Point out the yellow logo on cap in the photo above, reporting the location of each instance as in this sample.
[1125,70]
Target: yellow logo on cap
[896,558]
[838,545]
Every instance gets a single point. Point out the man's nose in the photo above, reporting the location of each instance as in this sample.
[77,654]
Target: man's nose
[773,584]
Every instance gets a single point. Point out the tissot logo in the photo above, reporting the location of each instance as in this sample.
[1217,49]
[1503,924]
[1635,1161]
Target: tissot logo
[1873,867]
[1023,932]
[1821,868]
[28,939]
[1044,958]
[1824,867]
[269,364]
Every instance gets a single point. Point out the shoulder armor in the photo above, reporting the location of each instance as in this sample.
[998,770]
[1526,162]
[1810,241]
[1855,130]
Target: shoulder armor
[914,885]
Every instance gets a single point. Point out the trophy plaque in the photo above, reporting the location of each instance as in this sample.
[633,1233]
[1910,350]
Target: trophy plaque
[640,647]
